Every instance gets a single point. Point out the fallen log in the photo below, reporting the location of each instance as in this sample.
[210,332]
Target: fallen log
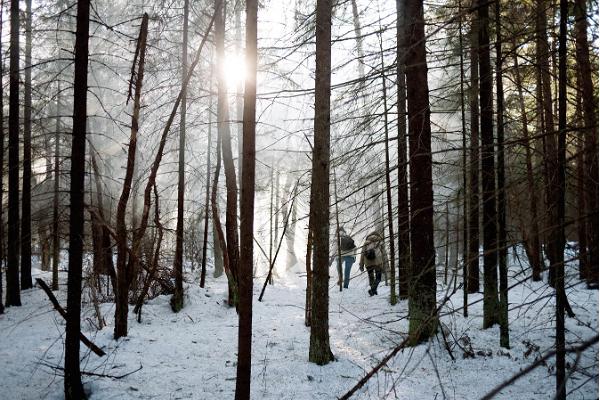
[62,312]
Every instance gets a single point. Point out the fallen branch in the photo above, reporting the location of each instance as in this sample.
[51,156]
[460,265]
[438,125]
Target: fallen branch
[62,312]
[536,364]
[94,373]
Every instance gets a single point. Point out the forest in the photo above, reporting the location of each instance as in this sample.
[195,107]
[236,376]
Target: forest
[324,199]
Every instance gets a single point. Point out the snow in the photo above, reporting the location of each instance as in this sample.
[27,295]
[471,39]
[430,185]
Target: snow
[192,354]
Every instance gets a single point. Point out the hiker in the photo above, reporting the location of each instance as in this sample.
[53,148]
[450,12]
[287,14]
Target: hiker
[374,257]
[347,253]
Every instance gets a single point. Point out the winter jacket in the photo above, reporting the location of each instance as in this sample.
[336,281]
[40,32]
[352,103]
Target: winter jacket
[343,253]
[374,241]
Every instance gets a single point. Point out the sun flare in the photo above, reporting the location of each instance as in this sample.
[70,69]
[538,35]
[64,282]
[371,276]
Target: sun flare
[234,71]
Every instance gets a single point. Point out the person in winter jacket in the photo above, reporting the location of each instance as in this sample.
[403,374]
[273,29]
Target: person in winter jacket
[347,251]
[374,258]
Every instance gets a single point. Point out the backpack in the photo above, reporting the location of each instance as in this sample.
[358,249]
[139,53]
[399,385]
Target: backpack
[346,243]
[370,254]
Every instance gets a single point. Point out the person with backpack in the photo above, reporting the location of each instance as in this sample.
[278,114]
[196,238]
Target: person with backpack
[347,253]
[374,257]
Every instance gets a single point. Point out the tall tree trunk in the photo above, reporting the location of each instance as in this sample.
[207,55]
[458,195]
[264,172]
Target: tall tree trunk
[532,242]
[473,255]
[548,136]
[177,298]
[124,257]
[320,352]
[56,194]
[231,216]
[242,386]
[388,183]
[423,320]
[207,199]
[239,101]
[2,253]
[590,115]
[403,211]
[488,181]
[558,234]
[26,282]
[502,249]
[73,385]
[464,169]
[13,294]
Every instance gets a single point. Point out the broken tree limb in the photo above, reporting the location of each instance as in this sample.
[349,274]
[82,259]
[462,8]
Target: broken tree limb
[99,352]
[287,218]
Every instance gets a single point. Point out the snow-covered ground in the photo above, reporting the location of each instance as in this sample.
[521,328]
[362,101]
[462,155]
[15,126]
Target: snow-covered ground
[192,354]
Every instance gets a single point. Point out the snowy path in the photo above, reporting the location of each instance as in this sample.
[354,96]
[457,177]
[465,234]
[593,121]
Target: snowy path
[192,355]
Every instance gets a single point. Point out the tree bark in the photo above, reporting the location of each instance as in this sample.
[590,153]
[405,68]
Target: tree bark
[558,234]
[73,386]
[56,194]
[465,209]
[547,125]
[488,179]
[177,298]
[404,267]
[13,293]
[388,183]
[320,352]
[502,249]
[423,320]
[473,255]
[231,214]
[2,238]
[207,200]
[590,115]
[123,269]
[26,281]
[242,386]
[532,242]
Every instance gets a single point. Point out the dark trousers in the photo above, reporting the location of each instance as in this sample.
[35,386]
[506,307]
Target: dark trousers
[374,277]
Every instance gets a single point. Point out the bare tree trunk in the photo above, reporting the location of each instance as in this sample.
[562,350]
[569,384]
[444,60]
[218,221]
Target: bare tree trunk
[320,352]
[56,194]
[207,200]
[388,184]
[73,386]
[548,136]
[532,242]
[488,179]
[423,320]
[242,385]
[123,270]
[473,255]
[13,294]
[404,267]
[26,281]
[177,298]
[558,234]
[220,236]
[231,215]
[502,249]
[465,209]
[590,115]
[2,253]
